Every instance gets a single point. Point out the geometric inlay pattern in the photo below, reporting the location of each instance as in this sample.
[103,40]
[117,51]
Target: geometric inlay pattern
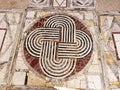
[58,46]
[83,3]
[59,3]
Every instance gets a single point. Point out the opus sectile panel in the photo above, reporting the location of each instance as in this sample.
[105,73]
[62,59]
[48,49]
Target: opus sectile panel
[57,46]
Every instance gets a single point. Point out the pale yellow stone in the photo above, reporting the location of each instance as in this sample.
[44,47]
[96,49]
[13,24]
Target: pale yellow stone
[103,35]
[40,14]
[48,84]
[109,59]
[34,80]
[117,17]
[102,18]
[89,23]
[115,83]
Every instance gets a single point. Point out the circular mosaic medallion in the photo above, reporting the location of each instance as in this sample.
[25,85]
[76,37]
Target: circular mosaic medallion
[58,46]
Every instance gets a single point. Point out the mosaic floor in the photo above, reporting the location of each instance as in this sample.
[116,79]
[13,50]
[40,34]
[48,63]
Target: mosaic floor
[61,44]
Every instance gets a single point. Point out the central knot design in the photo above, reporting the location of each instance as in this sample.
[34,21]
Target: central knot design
[58,45]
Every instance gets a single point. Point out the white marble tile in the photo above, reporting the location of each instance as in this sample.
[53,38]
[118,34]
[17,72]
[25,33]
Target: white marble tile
[71,83]
[2,74]
[83,84]
[78,15]
[109,20]
[117,41]
[110,74]
[115,27]
[20,64]
[6,49]
[3,24]
[89,15]
[77,83]
[30,14]
[5,54]
[13,29]
[19,78]
[94,82]
[11,18]
[2,15]
[17,17]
